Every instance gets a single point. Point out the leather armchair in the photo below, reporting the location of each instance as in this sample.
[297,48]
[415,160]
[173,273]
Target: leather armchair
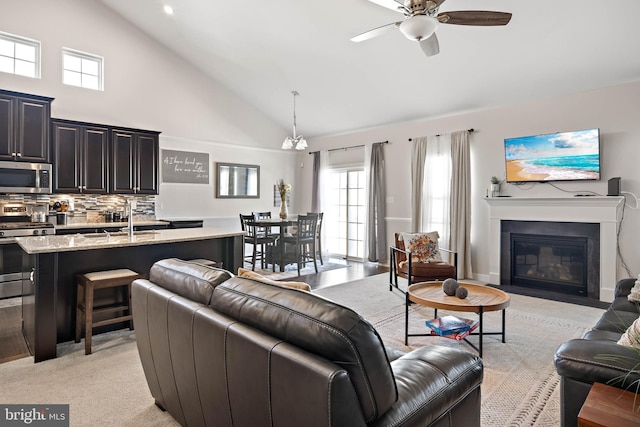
[238,352]
[402,265]
[596,357]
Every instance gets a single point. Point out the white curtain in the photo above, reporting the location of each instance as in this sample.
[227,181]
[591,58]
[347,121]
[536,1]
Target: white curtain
[436,192]
[444,203]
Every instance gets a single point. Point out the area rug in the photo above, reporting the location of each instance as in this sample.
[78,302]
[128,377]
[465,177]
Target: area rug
[520,387]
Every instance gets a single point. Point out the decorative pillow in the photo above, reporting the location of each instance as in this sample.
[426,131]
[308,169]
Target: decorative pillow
[423,246]
[631,337]
[248,274]
[634,295]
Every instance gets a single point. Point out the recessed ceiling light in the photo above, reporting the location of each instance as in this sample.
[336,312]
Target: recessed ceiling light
[168,9]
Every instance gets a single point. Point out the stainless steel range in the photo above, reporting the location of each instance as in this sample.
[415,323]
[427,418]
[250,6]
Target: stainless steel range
[15,221]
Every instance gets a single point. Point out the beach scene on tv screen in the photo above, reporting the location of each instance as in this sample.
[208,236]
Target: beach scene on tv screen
[564,156]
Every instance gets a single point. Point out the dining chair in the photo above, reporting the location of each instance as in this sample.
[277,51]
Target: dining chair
[261,215]
[304,241]
[258,240]
[318,234]
[266,231]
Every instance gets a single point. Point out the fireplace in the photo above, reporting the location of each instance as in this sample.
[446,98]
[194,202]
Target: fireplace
[553,256]
[599,211]
[557,263]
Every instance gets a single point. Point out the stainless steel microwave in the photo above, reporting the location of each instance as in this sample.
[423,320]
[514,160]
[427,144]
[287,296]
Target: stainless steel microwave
[22,177]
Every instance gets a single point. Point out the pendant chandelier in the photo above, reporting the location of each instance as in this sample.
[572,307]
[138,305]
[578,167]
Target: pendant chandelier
[297,142]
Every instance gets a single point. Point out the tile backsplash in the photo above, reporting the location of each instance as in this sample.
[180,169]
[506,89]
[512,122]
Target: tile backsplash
[79,204]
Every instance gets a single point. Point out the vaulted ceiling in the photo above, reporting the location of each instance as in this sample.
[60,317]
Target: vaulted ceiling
[264,49]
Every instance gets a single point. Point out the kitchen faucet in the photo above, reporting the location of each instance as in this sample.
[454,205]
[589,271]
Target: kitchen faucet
[129,207]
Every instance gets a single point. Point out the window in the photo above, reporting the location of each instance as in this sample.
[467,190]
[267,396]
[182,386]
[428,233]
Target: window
[19,55]
[436,195]
[345,215]
[81,69]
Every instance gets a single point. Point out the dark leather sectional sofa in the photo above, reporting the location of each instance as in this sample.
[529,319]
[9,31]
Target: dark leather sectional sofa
[597,358]
[229,351]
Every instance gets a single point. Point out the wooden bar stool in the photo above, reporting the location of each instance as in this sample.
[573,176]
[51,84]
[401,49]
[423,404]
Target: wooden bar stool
[87,284]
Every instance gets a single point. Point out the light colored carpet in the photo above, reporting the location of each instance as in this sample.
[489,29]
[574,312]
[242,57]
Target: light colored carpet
[520,386]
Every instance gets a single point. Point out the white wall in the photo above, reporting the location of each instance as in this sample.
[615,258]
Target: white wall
[148,87]
[197,201]
[614,110]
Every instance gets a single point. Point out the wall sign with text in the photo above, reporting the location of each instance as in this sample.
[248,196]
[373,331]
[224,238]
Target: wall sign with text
[185,167]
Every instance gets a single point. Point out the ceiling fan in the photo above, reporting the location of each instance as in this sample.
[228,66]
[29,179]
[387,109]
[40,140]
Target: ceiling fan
[422,20]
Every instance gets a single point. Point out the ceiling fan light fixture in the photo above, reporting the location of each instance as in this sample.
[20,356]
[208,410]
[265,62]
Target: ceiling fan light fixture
[419,27]
[296,141]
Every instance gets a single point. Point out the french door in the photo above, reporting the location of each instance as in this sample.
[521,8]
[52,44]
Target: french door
[344,221]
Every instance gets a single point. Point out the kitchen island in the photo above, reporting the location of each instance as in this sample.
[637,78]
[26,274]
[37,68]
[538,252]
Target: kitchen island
[52,262]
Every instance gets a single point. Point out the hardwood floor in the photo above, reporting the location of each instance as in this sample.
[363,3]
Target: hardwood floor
[355,270]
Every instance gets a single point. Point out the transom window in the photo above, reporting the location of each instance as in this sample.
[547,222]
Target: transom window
[19,55]
[82,69]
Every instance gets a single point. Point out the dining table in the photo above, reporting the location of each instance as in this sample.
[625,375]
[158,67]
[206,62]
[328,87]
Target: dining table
[282,224]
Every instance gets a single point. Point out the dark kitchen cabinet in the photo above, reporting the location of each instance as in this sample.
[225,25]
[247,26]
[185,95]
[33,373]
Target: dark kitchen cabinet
[24,127]
[134,162]
[80,157]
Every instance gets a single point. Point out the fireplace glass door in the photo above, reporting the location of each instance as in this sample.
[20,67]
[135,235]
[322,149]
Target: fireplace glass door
[549,262]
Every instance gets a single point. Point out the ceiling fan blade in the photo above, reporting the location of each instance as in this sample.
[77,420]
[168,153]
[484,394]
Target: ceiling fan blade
[375,32]
[398,6]
[482,18]
[430,45]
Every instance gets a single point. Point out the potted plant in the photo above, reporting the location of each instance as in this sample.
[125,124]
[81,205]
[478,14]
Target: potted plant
[495,186]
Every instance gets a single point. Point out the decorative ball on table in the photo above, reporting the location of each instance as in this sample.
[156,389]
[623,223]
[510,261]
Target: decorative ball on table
[449,286]
[462,292]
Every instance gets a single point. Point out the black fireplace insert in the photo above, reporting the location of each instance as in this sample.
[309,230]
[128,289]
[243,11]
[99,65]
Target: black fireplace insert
[557,263]
[561,257]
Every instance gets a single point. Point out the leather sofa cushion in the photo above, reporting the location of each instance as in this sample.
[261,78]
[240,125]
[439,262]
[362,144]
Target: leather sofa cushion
[594,334]
[191,280]
[431,270]
[319,326]
[615,321]
[623,304]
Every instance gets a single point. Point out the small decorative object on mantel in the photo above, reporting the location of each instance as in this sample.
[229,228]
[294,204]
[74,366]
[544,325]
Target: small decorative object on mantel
[495,186]
[284,190]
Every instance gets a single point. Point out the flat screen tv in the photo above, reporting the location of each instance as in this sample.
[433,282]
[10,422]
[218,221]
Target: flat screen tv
[563,156]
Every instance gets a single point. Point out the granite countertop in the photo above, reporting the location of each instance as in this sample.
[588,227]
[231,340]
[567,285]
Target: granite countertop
[82,242]
[123,224]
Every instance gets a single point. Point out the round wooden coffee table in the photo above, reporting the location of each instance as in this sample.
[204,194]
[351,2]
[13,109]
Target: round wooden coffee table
[481,299]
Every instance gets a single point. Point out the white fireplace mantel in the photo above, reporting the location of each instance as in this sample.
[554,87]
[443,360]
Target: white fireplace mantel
[605,211]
